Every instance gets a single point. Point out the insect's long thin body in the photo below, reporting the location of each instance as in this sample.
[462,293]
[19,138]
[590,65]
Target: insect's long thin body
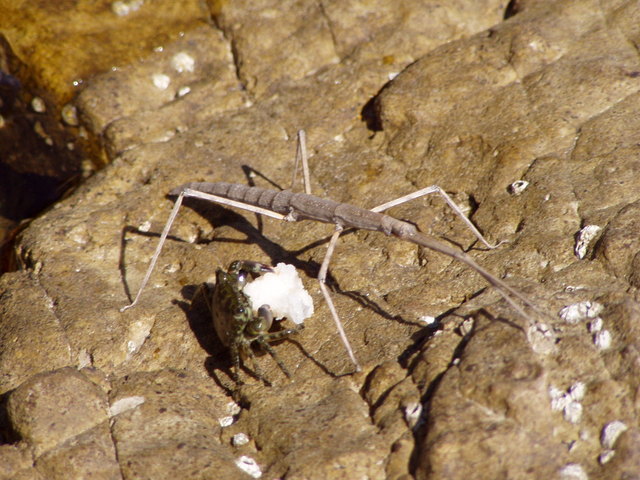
[289,206]
[301,206]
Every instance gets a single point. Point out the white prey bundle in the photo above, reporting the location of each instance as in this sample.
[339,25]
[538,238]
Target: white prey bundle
[283,291]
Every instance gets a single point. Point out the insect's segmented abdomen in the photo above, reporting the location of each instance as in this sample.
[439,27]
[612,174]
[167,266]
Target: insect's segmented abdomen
[275,200]
[298,206]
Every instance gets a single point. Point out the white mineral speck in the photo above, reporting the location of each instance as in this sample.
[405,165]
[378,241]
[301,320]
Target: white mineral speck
[183,62]
[577,391]
[161,81]
[541,338]
[467,326]
[602,339]
[123,404]
[573,471]
[138,333]
[226,421]
[428,319]
[585,237]
[172,267]
[249,465]
[69,115]
[239,439]
[84,359]
[233,408]
[38,105]
[555,393]
[611,432]
[572,412]
[517,187]
[605,456]
[412,413]
[183,91]
[122,8]
[568,402]
[595,325]
[580,311]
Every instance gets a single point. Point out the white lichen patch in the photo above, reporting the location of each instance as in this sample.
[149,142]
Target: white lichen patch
[249,465]
[580,311]
[283,291]
[124,404]
[586,236]
[183,62]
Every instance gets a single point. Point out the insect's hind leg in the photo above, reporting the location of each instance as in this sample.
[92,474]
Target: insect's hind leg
[457,210]
[322,276]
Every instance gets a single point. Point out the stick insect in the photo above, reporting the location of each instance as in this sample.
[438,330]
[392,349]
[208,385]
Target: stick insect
[293,207]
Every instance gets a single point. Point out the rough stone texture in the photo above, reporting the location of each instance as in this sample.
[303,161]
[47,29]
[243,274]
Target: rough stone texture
[474,104]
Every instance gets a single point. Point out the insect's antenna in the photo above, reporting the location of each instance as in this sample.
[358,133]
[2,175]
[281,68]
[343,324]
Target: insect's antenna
[301,155]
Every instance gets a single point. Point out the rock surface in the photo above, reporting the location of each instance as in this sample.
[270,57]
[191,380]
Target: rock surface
[392,99]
